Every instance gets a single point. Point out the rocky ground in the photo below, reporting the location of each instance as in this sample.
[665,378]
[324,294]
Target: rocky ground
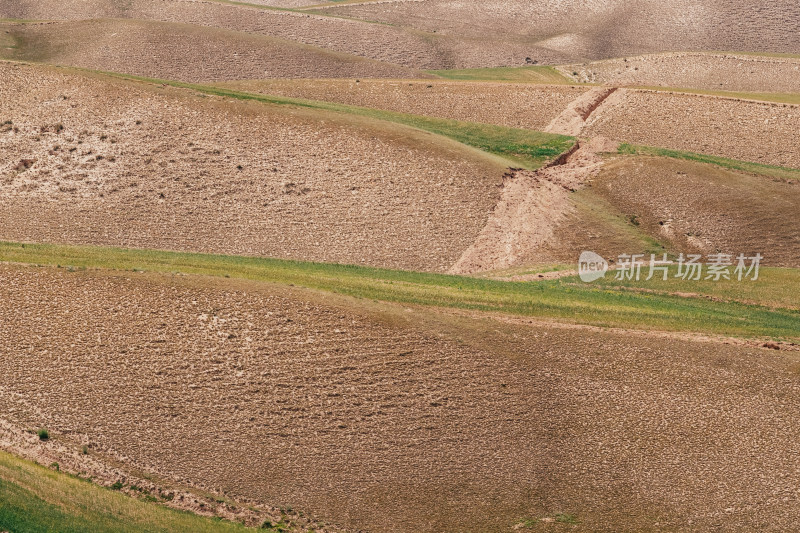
[98,162]
[516,105]
[392,419]
[749,131]
[709,71]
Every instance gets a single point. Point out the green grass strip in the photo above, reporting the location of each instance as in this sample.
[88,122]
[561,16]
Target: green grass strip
[34,499]
[525,148]
[774,171]
[529,74]
[558,299]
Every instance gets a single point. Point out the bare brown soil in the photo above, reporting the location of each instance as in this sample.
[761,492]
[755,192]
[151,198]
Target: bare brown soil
[68,454]
[600,29]
[532,206]
[383,42]
[388,419]
[516,105]
[453,34]
[164,50]
[90,161]
[749,131]
[285,3]
[572,120]
[373,416]
[710,71]
[688,207]
[698,208]
[375,41]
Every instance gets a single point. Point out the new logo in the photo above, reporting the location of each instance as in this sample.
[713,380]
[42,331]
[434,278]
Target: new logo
[591,267]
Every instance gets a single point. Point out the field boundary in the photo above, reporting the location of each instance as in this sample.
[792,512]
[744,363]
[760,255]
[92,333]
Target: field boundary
[559,300]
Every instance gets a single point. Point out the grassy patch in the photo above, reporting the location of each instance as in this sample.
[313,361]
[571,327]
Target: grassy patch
[35,499]
[561,300]
[776,287]
[772,171]
[514,146]
[566,518]
[778,98]
[530,74]
[520,147]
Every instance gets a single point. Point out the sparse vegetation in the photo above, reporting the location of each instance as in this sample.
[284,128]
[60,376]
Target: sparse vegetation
[774,171]
[43,434]
[538,74]
[563,299]
[526,148]
[36,499]
[566,518]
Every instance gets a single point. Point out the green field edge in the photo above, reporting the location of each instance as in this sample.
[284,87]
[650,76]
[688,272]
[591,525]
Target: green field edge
[749,96]
[761,169]
[517,147]
[528,148]
[35,499]
[514,147]
[559,300]
[539,74]
[524,148]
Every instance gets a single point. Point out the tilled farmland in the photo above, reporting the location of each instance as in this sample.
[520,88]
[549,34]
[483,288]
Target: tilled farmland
[505,104]
[375,421]
[399,266]
[132,166]
[708,71]
[761,132]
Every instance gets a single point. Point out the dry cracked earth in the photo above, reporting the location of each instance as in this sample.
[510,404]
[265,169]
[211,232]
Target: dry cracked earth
[373,416]
[111,164]
[390,419]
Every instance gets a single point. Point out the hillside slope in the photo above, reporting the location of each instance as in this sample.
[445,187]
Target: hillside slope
[87,159]
[398,418]
[166,50]
[440,34]
[600,28]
